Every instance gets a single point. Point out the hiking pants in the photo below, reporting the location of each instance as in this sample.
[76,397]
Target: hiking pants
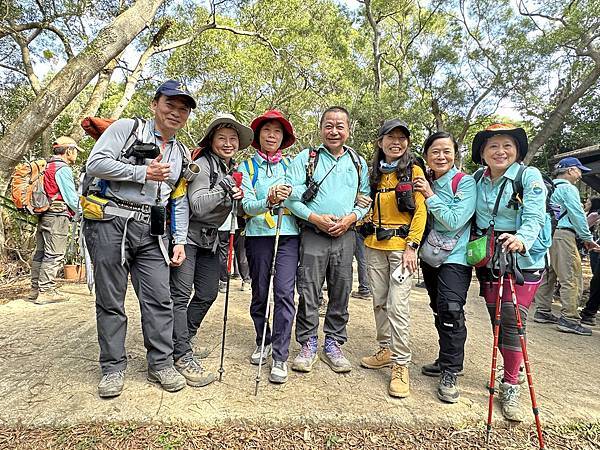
[240,259]
[260,256]
[447,287]
[323,256]
[593,304]
[150,279]
[361,265]
[200,270]
[50,246]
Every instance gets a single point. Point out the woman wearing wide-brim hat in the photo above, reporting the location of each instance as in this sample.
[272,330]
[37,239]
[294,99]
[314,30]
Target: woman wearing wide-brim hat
[522,228]
[211,193]
[264,188]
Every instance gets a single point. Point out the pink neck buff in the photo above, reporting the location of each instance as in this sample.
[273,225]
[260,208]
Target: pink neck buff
[273,159]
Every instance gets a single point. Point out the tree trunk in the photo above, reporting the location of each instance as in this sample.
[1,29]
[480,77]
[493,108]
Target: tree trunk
[71,80]
[376,50]
[437,114]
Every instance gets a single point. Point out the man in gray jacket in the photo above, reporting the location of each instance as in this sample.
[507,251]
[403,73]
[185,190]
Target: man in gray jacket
[137,165]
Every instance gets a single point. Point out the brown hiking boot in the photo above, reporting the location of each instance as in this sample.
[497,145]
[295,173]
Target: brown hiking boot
[399,384]
[381,358]
[33,295]
[50,296]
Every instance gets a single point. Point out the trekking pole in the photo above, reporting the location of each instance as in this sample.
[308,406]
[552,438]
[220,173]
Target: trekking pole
[271,294]
[521,332]
[237,176]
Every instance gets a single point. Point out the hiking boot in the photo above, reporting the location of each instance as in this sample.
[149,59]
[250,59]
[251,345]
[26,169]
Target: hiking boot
[500,376]
[202,352]
[364,295]
[245,285]
[434,370]
[588,320]
[545,317]
[399,384]
[571,326]
[222,287]
[33,295]
[307,357]
[255,357]
[169,378]
[509,398]
[50,296]
[111,384]
[447,389]
[381,358]
[332,356]
[279,372]
[192,370]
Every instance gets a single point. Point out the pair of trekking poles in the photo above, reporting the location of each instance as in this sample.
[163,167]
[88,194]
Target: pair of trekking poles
[270,299]
[509,270]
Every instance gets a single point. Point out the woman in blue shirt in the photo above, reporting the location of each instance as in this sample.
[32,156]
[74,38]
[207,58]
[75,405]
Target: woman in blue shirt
[523,229]
[450,200]
[264,188]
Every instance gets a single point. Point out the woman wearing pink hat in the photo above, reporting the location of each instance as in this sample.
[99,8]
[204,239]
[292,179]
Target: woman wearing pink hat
[264,188]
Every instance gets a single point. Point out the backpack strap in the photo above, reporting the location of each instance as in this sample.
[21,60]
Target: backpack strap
[478,174]
[252,169]
[357,165]
[517,197]
[313,159]
[456,180]
[285,162]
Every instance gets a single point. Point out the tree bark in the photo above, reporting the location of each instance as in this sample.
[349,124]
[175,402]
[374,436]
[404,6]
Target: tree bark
[376,49]
[71,80]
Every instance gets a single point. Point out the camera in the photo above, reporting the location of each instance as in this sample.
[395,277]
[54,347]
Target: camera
[311,191]
[381,234]
[366,229]
[142,151]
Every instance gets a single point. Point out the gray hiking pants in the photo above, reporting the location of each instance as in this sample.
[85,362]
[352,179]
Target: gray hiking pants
[150,279]
[50,246]
[324,256]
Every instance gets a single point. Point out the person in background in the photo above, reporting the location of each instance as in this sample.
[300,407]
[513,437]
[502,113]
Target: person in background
[588,314]
[364,291]
[240,261]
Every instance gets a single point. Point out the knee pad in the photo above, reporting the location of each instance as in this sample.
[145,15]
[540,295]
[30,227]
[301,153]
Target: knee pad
[451,316]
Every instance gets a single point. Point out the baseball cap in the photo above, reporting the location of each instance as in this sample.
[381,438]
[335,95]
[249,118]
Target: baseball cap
[173,88]
[568,162]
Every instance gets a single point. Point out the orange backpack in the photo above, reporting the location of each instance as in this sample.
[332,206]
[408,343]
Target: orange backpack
[27,187]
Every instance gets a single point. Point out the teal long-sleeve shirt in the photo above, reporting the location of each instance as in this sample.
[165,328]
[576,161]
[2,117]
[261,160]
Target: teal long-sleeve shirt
[452,212]
[64,179]
[530,220]
[566,196]
[255,197]
[337,193]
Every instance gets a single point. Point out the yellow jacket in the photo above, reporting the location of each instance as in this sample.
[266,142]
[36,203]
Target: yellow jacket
[392,218]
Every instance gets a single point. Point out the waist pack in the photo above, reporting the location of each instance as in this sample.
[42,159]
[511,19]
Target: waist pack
[480,250]
[405,199]
[437,248]
[93,207]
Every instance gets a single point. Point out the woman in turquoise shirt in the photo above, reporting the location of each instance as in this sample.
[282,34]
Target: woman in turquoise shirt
[264,188]
[522,227]
[450,200]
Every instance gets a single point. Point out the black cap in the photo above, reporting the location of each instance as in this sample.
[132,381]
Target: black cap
[173,88]
[389,125]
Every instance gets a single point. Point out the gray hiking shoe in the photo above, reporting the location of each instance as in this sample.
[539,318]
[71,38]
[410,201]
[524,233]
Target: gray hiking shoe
[307,357]
[500,376]
[447,389]
[255,357]
[434,370]
[192,370]
[509,398]
[222,287]
[202,352]
[572,326]
[33,295]
[332,356]
[50,296]
[279,372]
[111,384]
[588,320]
[169,378]
[545,317]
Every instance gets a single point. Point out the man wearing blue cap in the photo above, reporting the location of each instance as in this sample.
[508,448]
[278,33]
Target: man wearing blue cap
[137,165]
[565,262]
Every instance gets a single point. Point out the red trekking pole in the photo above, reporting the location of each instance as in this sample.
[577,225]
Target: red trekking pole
[237,176]
[492,383]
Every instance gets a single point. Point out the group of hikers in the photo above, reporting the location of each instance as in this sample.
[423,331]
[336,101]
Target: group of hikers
[139,175]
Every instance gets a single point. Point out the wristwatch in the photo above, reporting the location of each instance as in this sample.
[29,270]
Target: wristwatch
[412,245]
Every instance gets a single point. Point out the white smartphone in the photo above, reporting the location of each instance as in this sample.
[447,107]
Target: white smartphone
[401,274]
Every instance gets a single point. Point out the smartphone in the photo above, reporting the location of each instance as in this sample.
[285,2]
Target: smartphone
[158,220]
[401,274]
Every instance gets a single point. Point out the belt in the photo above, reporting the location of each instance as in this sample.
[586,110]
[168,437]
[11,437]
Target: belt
[129,210]
[567,229]
[401,232]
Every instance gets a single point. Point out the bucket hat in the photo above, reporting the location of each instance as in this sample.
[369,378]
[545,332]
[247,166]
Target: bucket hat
[518,134]
[288,131]
[245,134]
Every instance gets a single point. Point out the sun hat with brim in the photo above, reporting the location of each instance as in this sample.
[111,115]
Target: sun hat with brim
[518,134]
[288,139]
[569,162]
[65,141]
[391,124]
[173,88]
[245,134]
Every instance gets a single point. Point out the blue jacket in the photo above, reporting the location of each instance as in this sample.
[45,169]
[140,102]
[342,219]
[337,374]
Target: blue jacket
[566,196]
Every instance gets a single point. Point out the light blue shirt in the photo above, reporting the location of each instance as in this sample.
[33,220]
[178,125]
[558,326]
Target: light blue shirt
[566,196]
[255,198]
[452,212]
[66,185]
[530,220]
[337,193]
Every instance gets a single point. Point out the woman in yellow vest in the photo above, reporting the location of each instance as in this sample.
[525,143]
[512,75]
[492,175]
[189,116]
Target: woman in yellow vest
[399,217]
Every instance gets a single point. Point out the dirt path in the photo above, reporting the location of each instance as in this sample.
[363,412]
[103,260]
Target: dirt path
[48,356]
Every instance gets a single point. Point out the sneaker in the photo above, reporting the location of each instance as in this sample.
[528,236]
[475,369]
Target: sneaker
[279,372]
[399,384]
[222,287]
[111,384]
[332,356]
[447,390]
[169,378]
[33,295]
[255,357]
[192,370]
[500,377]
[245,285]
[434,370]
[571,326]
[50,296]
[364,295]
[323,308]
[588,320]
[307,357]
[509,398]
[202,352]
[545,317]
[381,358]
